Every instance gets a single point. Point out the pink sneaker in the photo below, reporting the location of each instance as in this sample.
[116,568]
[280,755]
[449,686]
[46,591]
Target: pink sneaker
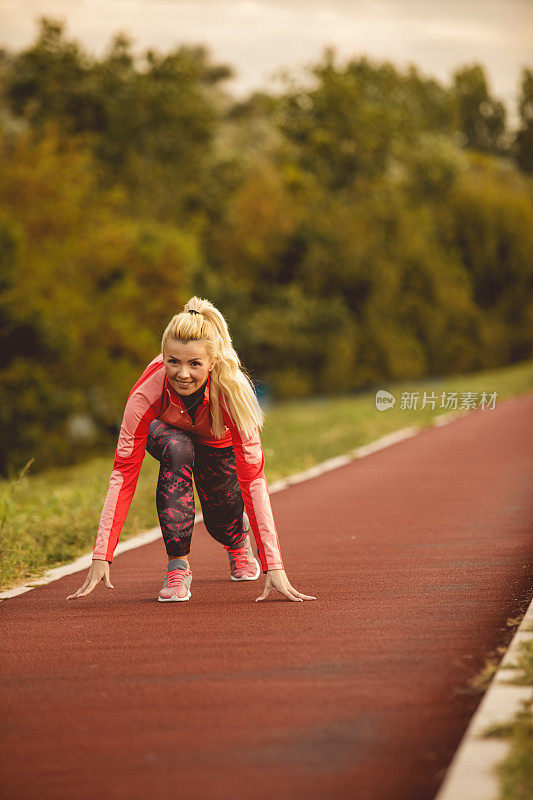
[177,585]
[242,564]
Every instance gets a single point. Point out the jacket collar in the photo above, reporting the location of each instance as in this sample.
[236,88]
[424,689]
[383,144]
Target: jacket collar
[175,397]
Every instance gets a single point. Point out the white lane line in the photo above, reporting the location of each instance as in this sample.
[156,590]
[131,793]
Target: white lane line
[84,562]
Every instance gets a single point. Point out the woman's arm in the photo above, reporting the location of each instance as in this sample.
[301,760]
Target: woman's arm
[129,455]
[250,463]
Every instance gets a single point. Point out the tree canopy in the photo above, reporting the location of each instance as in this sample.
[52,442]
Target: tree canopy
[364,224]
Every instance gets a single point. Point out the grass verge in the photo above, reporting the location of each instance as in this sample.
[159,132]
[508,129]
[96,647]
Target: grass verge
[51,518]
[515,772]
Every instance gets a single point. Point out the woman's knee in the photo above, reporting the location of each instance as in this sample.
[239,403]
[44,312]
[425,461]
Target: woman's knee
[170,446]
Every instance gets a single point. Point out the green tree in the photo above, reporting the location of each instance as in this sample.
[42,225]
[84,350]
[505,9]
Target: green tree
[482,118]
[86,295]
[523,143]
[491,228]
[344,230]
[160,126]
[347,124]
[150,120]
[51,80]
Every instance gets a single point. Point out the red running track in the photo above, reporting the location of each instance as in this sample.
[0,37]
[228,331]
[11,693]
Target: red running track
[361,694]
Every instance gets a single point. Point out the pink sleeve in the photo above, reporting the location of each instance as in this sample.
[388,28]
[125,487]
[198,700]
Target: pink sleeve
[129,455]
[251,476]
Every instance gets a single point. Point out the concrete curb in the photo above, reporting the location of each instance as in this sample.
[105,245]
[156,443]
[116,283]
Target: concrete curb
[471,774]
[84,562]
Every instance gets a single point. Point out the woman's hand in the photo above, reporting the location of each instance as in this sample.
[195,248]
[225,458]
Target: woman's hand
[277,579]
[99,570]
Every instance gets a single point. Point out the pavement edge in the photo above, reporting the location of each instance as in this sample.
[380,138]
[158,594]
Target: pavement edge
[471,775]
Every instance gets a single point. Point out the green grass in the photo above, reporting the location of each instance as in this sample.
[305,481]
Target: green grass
[51,518]
[341,424]
[515,772]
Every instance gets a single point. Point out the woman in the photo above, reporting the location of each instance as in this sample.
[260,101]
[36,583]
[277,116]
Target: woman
[195,410]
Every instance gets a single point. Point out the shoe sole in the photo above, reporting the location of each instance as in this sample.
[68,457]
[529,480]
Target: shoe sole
[174,599]
[250,578]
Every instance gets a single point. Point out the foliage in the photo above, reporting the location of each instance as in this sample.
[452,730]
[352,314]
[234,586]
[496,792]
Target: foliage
[348,123]
[482,118]
[524,136]
[151,120]
[364,224]
[86,294]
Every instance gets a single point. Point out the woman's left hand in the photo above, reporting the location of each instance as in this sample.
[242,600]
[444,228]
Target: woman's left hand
[277,579]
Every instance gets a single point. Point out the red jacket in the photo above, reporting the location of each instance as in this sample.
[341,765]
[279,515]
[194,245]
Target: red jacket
[152,397]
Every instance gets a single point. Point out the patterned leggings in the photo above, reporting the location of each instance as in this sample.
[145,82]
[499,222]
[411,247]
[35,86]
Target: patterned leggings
[181,457]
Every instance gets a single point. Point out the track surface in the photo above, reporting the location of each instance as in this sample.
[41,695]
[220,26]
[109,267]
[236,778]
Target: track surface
[418,554]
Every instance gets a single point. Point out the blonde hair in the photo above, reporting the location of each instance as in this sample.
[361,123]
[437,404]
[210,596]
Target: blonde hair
[230,382]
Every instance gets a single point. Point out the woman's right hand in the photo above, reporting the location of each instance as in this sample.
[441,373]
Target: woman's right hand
[99,570]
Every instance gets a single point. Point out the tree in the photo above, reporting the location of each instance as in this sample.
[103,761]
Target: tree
[347,124]
[150,120]
[481,117]
[523,143]
[51,80]
[86,295]
[491,228]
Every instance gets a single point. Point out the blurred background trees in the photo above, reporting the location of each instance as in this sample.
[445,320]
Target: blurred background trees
[364,225]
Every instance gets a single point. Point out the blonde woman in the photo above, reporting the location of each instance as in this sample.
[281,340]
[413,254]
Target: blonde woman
[194,409]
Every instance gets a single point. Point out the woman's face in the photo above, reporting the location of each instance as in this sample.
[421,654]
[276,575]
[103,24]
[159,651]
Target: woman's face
[187,365]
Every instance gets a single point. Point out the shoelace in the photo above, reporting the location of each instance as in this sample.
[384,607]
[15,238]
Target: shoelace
[176,576]
[239,557]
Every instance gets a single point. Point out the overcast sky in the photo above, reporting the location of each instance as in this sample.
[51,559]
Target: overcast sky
[258,37]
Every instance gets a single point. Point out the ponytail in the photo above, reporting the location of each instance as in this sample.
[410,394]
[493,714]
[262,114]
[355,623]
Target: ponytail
[230,383]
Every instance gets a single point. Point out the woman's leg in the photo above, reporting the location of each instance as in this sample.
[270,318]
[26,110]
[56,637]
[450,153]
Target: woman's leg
[215,475]
[174,450]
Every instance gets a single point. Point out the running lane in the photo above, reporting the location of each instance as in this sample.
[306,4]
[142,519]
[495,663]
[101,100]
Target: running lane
[418,554]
